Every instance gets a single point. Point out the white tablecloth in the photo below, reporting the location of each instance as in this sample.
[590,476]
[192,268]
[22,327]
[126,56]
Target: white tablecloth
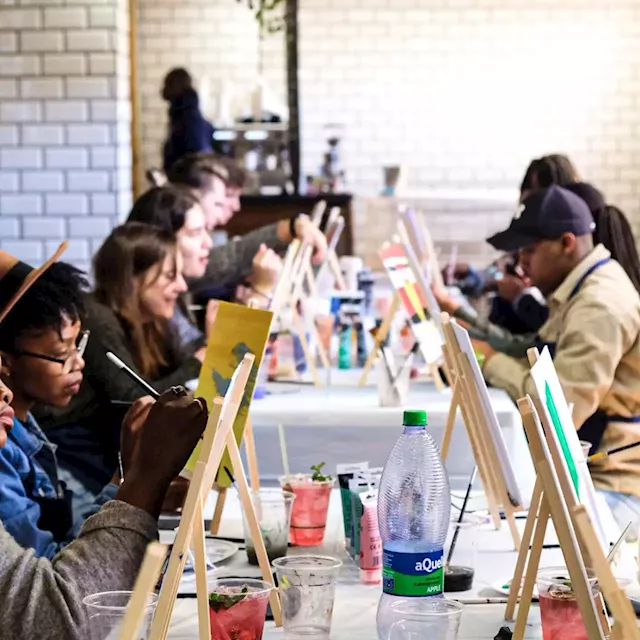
[344,423]
[355,604]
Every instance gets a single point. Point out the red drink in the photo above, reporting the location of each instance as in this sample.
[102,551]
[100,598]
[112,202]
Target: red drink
[309,511]
[559,611]
[237,608]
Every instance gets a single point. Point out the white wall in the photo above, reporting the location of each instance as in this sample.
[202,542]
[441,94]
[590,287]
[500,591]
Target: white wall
[64,125]
[463,92]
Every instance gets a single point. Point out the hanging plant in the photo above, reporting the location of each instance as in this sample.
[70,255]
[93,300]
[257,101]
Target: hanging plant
[263,11]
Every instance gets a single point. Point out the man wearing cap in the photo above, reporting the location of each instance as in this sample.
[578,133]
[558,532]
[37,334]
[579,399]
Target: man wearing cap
[593,333]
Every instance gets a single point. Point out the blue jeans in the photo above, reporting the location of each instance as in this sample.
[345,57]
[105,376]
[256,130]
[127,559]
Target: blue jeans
[625,509]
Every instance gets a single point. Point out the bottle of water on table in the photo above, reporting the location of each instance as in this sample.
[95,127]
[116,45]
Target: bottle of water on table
[414,508]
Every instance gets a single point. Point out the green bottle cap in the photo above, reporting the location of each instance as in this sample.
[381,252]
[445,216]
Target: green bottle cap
[414,418]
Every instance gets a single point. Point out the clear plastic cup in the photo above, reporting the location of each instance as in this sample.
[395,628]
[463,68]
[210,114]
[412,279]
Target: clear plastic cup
[307,588]
[106,611]
[425,618]
[460,571]
[238,608]
[586,447]
[309,511]
[559,611]
[273,510]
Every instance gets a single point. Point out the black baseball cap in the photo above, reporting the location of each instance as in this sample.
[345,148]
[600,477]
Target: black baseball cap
[545,215]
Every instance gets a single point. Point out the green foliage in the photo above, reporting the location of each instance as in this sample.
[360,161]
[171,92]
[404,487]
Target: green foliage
[267,14]
[318,476]
[219,601]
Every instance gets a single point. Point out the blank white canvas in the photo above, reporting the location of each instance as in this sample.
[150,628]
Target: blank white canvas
[495,431]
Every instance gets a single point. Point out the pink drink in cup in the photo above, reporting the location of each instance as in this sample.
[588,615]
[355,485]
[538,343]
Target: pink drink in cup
[559,610]
[238,608]
[309,512]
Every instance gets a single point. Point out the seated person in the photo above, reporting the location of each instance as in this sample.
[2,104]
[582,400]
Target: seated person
[175,210]
[593,332]
[612,230]
[43,599]
[138,278]
[42,346]
[229,264]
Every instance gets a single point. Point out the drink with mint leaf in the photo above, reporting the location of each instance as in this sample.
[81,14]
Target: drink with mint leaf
[310,508]
[237,608]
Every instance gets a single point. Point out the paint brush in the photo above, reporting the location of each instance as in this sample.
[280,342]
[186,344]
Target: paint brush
[461,516]
[133,375]
[605,454]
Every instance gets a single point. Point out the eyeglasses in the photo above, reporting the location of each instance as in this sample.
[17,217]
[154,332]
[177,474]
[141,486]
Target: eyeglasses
[67,363]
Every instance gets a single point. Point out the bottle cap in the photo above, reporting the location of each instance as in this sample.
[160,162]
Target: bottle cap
[414,418]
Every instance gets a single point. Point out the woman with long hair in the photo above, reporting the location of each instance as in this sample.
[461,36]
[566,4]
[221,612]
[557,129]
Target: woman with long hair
[138,278]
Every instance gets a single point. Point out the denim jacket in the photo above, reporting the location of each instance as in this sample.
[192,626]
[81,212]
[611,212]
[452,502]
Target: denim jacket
[23,480]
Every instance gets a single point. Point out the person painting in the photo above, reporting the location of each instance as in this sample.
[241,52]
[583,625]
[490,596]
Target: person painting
[189,131]
[43,599]
[593,333]
[138,278]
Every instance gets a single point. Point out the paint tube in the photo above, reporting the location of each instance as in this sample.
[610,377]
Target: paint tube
[346,472]
[370,542]
[357,486]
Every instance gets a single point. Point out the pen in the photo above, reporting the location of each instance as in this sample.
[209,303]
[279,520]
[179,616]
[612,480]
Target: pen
[133,375]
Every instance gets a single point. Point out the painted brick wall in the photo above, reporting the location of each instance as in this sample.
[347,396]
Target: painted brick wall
[64,125]
[462,92]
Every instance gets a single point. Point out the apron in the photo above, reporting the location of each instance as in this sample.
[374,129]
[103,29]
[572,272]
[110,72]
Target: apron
[594,426]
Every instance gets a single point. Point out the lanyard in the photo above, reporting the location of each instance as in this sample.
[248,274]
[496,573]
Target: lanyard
[585,275]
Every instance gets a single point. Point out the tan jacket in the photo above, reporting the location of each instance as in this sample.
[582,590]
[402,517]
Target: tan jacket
[597,336]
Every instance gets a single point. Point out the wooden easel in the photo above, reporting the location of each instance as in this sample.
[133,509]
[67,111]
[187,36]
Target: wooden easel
[218,436]
[465,396]
[578,541]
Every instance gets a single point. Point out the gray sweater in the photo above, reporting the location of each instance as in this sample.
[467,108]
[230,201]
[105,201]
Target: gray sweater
[42,599]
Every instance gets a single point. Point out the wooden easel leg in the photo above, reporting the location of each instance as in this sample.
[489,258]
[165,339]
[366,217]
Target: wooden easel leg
[252,459]
[451,421]
[437,378]
[381,336]
[305,347]
[254,527]
[510,515]
[200,557]
[523,553]
[214,527]
[531,572]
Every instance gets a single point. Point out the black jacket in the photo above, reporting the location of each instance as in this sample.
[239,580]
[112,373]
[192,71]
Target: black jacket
[189,131]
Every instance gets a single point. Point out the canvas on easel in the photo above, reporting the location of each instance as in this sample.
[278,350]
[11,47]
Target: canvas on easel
[417,304]
[581,548]
[471,396]
[217,438]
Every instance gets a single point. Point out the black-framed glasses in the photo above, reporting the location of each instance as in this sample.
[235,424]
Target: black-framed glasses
[67,363]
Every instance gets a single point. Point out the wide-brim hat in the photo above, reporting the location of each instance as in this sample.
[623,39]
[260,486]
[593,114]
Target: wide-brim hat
[16,277]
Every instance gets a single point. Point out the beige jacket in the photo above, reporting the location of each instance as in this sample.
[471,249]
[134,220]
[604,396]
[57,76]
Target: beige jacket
[597,336]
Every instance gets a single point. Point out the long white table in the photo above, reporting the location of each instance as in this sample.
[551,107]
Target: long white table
[355,604]
[344,423]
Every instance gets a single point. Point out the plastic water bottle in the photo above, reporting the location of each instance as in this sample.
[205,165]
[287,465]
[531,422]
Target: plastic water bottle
[414,509]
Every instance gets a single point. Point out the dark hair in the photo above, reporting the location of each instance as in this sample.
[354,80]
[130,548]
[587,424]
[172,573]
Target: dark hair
[126,255]
[237,175]
[197,170]
[593,197]
[614,232]
[165,207]
[176,83]
[549,170]
[55,296]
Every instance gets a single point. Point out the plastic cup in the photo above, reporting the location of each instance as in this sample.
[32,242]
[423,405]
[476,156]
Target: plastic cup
[106,611]
[238,608]
[422,618]
[307,588]
[459,573]
[396,394]
[273,510]
[559,610]
[309,511]
[586,447]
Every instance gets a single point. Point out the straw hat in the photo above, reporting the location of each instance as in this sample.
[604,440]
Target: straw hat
[16,277]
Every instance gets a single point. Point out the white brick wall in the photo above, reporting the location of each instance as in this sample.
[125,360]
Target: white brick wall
[462,92]
[63,64]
